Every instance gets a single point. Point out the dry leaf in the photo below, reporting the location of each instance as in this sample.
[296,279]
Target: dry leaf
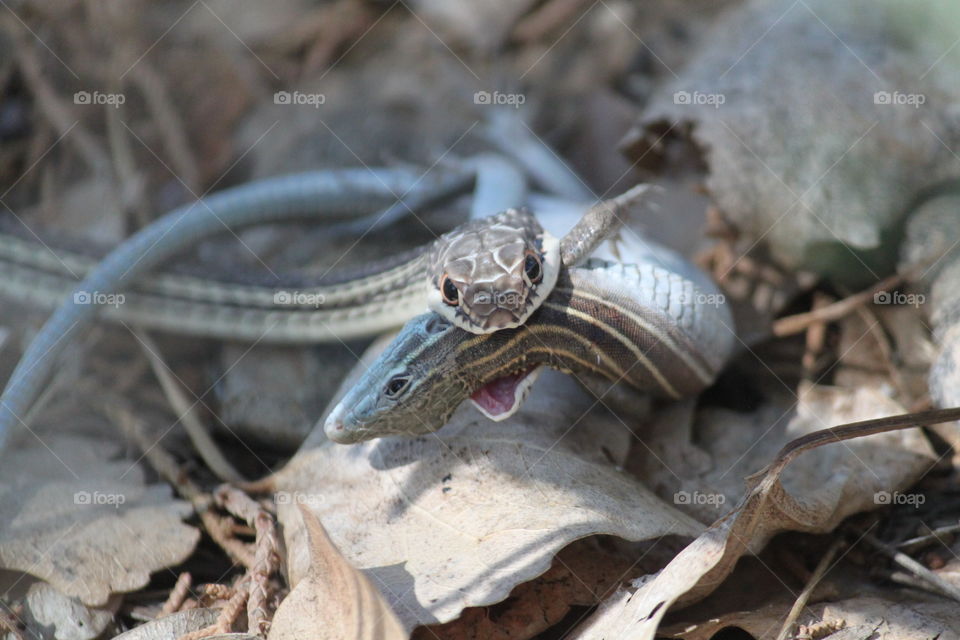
[813,494]
[68,619]
[581,575]
[907,617]
[334,600]
[75,515]
[460,517]
[904,616]
[172,626]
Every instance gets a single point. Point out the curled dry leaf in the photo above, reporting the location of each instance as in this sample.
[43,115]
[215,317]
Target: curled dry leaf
[460,517]
[76,516]
[813,494]
[334,600]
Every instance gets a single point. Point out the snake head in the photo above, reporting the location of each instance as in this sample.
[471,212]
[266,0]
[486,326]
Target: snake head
[492,274]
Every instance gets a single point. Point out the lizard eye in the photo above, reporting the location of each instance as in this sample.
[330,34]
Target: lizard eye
[532,268]
[396,385]
[449,291]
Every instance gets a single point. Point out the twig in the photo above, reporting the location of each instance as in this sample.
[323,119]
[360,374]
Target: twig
[799,322]
[228,616]
[50,103]
[169,123]
[332,27]
[177,595]
[848,431]
[822,567]
[935,535]
[911,581]
[201,440]
[816,333]
[949,589]
[9,621]
[883,343]
[213,592]
[131,192]
[547,18]
[169,470]
[266,558]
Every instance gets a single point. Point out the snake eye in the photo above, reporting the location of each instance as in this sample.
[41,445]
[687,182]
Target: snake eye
[449,291]
[396,385]
[532,267]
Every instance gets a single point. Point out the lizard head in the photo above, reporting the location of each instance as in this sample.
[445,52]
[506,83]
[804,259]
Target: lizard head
[421,378]
[491,274]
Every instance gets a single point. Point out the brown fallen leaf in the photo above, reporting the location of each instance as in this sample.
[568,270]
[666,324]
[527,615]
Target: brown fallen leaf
[905,616]
[172,626]
[581,575]
[814,495]
[75,515]
[334,600]
[460,517]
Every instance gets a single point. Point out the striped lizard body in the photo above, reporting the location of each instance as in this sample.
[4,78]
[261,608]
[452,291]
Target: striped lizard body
[642,325]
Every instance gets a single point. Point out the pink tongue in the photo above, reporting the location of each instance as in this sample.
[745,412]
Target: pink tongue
[497,397]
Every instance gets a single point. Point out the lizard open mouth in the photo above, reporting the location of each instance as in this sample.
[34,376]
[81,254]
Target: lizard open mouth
[500,398]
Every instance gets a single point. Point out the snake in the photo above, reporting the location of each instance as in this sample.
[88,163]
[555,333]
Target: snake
[381,296]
